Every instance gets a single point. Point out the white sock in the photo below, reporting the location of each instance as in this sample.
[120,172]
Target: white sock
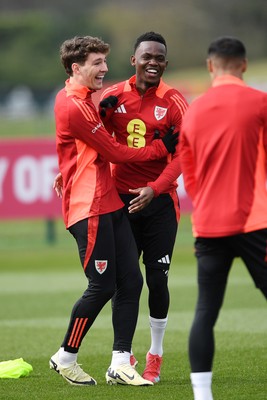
[201,383]
[65,358]
[157,330]
[119,358]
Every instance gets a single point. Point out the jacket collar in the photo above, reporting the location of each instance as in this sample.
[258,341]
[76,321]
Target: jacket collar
[74,89]
[131,84]
[227,80]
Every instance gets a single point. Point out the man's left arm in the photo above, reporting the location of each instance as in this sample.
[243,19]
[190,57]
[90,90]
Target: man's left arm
[168,177]
[163,183]
[172,171]
[187,165]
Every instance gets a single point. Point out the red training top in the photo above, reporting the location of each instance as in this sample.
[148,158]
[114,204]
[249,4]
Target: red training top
[134,121]
[84,150]
[223,150]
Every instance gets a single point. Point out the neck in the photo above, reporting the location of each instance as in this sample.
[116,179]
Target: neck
[217,73]
[143,87]
[76,81]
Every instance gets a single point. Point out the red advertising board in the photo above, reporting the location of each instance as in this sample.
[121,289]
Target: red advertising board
[27,171]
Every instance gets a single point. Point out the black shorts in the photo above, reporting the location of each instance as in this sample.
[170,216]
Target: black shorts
[106,242]
[155,229]
[215,257]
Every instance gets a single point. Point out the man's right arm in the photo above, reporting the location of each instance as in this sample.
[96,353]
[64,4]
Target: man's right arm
[87,127]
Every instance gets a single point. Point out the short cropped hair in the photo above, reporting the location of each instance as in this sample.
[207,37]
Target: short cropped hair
[77,49]
[227,47]
[150,37]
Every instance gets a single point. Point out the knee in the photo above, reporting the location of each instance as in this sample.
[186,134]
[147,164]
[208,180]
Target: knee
[157,280]
[133,284]
[264,291]
[105,293]
[108,292]
[206,317]
[136,282]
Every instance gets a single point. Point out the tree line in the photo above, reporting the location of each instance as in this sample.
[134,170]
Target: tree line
[31,33]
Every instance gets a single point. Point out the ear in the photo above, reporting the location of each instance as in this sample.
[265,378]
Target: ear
[133,60]
[75,68]
[244,65]
[209,65]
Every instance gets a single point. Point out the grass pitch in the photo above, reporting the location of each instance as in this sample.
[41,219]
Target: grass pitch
[39,282]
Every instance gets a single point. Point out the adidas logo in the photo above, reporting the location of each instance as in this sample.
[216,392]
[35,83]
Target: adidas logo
[165,260]
[121,109]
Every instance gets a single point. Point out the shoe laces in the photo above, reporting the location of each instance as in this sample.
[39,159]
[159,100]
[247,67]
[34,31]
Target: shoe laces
[128,368]
[78,371]
[153,363]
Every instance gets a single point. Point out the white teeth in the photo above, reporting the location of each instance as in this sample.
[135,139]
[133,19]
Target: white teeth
[153,71]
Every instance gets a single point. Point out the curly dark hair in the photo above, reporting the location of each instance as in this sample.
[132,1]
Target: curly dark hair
[77,50]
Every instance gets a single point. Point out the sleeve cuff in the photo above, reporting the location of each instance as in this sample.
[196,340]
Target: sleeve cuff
[154,188]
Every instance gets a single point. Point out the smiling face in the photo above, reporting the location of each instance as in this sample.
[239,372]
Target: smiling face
[150,63]
[92,72]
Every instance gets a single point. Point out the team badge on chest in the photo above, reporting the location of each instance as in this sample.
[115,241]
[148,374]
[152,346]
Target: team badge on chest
[159,112]
[101,266]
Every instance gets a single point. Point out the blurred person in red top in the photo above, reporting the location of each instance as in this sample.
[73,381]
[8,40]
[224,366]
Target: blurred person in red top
[147,106]
[223,150]
[93,213]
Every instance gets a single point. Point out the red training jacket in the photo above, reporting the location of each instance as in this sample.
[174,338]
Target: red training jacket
[133,121]
[84,150]
[223,150]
